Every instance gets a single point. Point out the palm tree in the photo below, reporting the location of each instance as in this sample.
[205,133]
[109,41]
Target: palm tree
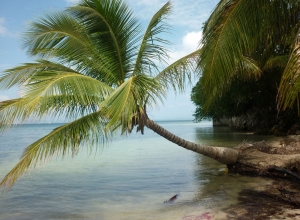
[244,39]
[95,68]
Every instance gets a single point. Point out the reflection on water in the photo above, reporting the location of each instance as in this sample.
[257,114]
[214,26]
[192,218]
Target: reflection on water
[129,180]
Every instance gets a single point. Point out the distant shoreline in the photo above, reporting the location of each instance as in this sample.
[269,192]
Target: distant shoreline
[158,121]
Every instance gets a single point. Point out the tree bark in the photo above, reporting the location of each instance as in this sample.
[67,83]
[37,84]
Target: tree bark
[222,154]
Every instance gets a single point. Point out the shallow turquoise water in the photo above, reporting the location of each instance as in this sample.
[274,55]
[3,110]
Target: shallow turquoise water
[131,179]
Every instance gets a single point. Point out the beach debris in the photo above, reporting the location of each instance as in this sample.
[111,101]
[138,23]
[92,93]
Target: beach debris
[172,199]
[203,216]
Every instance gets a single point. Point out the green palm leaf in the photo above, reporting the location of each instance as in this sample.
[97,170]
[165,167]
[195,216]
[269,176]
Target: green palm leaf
[226,39]
[179,74]
[87,131]
[278,61]
[62,36]
[290,86]
[152,47]
[114,30]
[58,34]
[129,100]
[20,74]
[59,93]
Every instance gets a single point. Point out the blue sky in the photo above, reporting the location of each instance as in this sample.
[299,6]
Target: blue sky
[186,21]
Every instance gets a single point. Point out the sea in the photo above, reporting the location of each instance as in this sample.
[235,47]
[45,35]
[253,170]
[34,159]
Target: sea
[129,179]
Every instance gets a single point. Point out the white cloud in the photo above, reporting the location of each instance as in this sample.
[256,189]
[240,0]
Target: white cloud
[3,98]
[191,40]
[189,43]
[3,30]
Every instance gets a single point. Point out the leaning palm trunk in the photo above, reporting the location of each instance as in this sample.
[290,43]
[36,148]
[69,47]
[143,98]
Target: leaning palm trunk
[221,154]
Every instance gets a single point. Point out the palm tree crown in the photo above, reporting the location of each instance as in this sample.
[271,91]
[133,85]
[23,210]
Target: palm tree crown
[95,68]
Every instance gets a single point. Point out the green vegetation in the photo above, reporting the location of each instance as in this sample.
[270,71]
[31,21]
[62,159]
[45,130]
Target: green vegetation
[98,69]
[249,63]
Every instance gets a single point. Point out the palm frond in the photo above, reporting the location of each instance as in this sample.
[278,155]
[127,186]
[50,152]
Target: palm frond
[147,91]
[57,34]
[213,19]
[87,132]
[152,47]
[62,37]
[290,85]
[61,82]
[129,100]
[59,93]
[248,68]
[278,61]
[20,74]
[114,31]
[179,74]
[228,39]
